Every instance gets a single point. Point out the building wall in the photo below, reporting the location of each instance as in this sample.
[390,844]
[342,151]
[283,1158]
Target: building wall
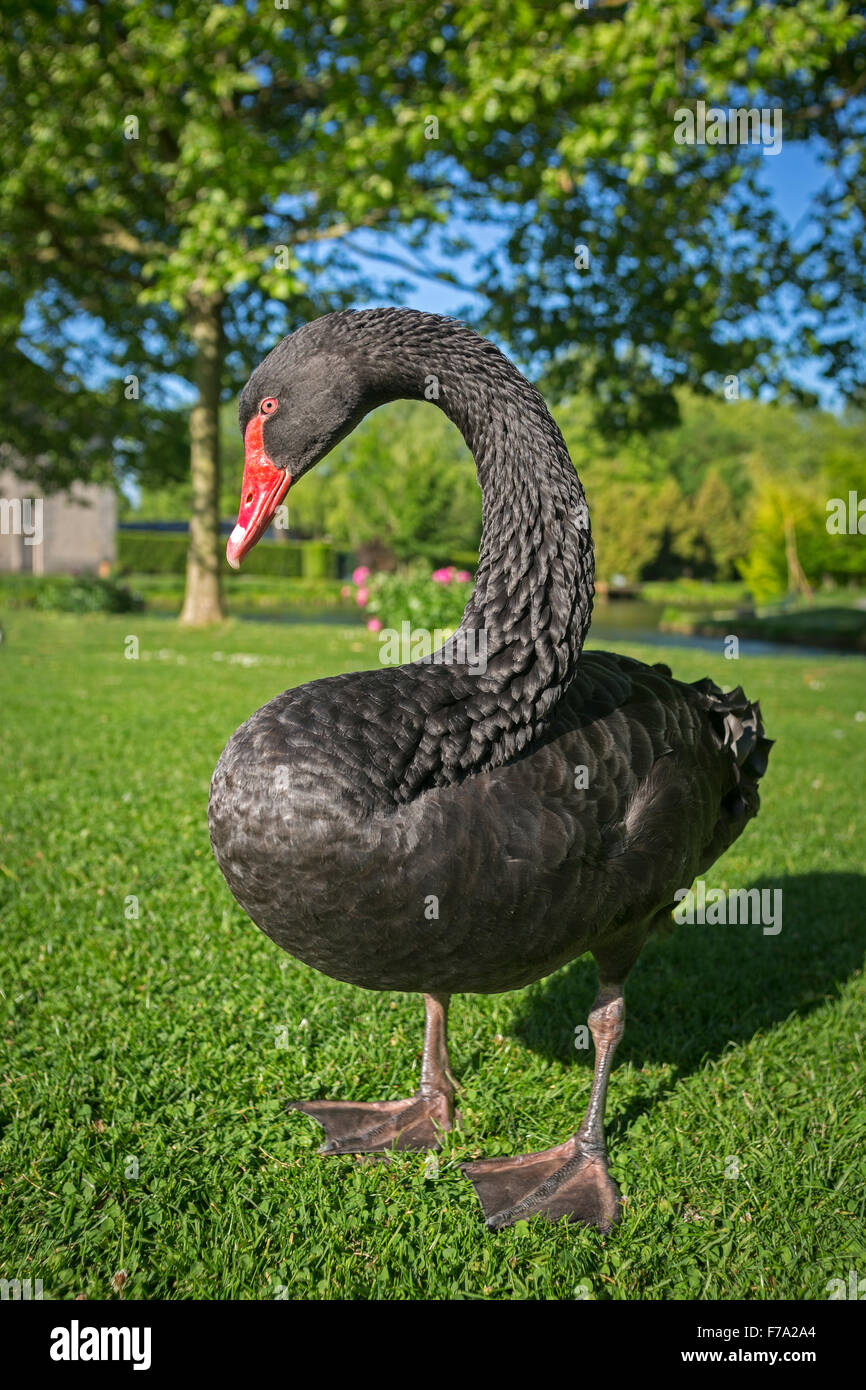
[78,528]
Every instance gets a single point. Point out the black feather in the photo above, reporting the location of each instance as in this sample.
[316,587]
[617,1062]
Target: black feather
[340,807]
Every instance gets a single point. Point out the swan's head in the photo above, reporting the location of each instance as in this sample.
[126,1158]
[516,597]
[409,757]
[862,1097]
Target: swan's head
[299,402]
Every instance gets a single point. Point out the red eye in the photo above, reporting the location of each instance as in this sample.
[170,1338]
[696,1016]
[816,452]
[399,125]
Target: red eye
[268,405]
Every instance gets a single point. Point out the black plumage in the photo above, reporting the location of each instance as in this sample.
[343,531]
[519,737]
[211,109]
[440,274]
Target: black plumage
[438,829]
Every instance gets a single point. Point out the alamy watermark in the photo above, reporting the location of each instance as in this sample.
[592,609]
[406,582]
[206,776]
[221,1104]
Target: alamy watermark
[439,647]
[847,516]
[20,1290]
[77,1343]
[852,1288]
[22,516]
[759,907]
[739,125]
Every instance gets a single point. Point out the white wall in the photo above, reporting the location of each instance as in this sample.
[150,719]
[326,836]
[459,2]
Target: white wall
[78,528]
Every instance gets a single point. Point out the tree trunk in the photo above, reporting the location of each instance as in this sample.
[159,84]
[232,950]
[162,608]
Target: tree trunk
[203,600]
[797,581]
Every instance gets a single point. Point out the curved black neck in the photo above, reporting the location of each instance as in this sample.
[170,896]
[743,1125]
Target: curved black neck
[532,599]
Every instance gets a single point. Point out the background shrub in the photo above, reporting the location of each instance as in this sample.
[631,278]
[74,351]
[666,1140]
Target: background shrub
[67,594]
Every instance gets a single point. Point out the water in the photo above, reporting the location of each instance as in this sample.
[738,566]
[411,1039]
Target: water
[626,619]
[635,620]
[613,622]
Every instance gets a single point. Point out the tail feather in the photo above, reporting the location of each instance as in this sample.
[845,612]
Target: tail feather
[738,724]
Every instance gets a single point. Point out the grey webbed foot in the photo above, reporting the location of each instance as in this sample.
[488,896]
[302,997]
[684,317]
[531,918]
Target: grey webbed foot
[569,1180]
[351,1127]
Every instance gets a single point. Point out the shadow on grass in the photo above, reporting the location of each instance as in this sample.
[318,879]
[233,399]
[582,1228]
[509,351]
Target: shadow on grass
[695,992]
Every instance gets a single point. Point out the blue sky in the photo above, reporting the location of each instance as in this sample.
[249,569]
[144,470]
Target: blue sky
[792,178]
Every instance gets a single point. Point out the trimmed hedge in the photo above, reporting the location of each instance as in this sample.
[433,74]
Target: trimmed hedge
[161,552]
[151,552]
[317,560]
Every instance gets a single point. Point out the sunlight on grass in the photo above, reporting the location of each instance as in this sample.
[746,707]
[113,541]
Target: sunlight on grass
[145,1019]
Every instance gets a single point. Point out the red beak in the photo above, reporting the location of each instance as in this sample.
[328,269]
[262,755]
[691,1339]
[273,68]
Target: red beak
[264,488]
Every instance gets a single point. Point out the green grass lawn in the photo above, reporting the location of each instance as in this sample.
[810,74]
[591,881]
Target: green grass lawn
[148,1058]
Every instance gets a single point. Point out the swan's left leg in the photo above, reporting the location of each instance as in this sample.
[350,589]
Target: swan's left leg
[417,1123]
[572,1179]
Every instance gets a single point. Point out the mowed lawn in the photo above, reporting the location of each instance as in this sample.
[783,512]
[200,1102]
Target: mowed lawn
[148,1058]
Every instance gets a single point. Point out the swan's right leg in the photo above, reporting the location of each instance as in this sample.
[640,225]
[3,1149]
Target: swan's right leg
[570,1180]
[417,1123]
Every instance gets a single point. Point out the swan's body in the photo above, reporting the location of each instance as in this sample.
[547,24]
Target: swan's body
[529,868]
[435,829]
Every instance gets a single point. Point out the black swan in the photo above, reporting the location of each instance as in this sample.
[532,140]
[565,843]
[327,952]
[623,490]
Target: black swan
[548,802]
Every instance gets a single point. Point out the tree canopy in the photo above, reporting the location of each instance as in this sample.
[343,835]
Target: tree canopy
[183,183]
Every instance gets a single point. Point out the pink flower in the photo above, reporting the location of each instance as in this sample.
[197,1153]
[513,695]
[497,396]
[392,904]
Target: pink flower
[361,598]
[360,574]
[441,576]
[374,625]
[346,591]
[463,576]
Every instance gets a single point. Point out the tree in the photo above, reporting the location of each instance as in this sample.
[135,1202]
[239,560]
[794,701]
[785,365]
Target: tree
[631,265]
[197,179]
[804,528]
[60,429]
[173,172]
[712,534]
[405,480]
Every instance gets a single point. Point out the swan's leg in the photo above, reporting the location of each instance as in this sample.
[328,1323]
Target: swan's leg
[417,1123]
[572,1179]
